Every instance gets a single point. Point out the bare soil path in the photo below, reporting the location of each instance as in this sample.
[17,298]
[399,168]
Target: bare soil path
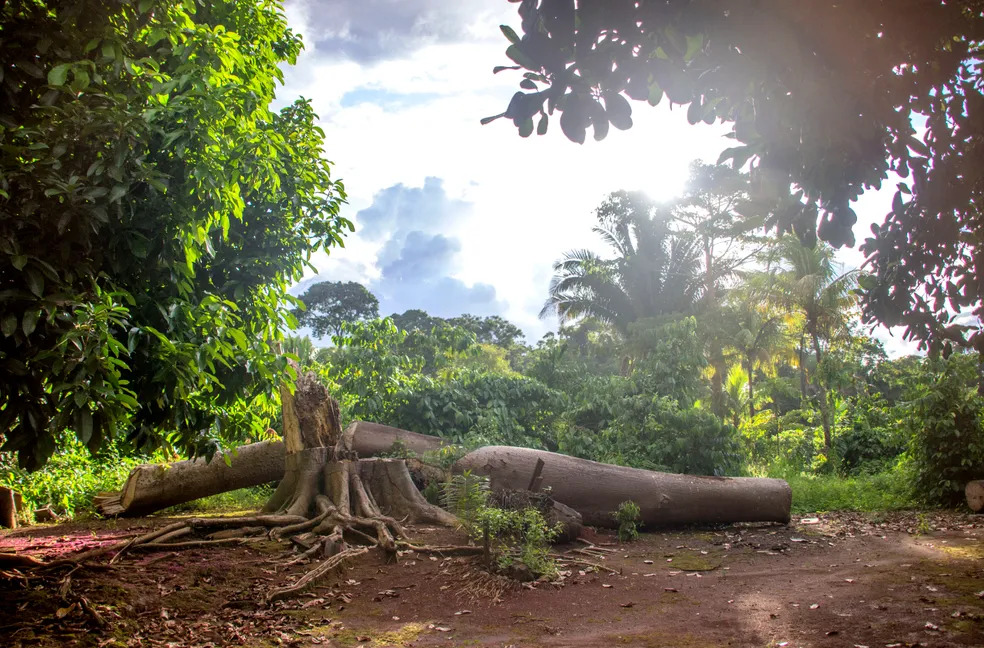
[888,580]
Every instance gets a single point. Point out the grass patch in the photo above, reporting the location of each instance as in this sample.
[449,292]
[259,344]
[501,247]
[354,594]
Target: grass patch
[244,499]
[888,491]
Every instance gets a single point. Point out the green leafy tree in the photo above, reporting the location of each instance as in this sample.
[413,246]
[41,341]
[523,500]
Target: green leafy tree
[709,211]
[824,99]
[757,335]
[153,212]
[415,319]
[490,330]
[654,271]
[330,304]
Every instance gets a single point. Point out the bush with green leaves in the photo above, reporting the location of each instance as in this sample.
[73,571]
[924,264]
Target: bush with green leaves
[657,434]
[870,437]
[506,410]
[518,536]
[947,431]
[627,515]
[465,495]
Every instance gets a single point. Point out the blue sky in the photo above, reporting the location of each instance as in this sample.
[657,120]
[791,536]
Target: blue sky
[452,216]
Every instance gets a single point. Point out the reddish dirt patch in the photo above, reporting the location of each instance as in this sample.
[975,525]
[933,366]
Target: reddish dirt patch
[846,580]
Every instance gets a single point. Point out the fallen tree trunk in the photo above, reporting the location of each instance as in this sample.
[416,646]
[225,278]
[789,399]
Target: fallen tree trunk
[595,490]
[152,487]
[592,489]
[975,495]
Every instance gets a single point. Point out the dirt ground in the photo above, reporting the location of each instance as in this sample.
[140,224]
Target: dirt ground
[887,580]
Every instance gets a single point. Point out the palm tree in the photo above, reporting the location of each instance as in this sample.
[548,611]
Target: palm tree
[655,271]
[808,282]
[758,334]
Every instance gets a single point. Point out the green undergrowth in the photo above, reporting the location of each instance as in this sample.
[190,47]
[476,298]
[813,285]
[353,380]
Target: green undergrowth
[71,478]
[244,499]
[887,491]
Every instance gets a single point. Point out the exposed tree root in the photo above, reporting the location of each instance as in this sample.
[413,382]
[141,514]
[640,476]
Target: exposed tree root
[453,550]
[316,573]
[577,561]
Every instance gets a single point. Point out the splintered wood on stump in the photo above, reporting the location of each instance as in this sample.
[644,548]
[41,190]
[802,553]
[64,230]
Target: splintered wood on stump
[975,495]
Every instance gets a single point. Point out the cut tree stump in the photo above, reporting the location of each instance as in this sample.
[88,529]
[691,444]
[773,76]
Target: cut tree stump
[595,490]
[975,495]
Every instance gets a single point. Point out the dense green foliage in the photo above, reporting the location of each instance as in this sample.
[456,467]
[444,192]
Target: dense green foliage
[825,99]
[153,212]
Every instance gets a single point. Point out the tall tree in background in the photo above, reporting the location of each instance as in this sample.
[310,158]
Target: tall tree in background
[654,271]
[822,97]
[153,212]
[808,282]
[491,329]
[710,211]
[329,304]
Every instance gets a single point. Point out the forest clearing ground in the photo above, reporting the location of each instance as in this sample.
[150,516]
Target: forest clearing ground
[902,579]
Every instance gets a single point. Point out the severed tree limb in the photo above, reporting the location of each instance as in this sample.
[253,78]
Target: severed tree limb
[452,550]
[190,544]
[19,560]
[316,573]
[587,563]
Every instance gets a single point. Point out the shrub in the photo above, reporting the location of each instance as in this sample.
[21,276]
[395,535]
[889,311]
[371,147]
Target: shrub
[627,516]
[947,435]
[656,434]
[521,537]
[465,495]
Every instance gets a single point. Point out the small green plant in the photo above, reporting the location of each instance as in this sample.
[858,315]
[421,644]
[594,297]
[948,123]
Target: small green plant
[465,495]
[627,515]
[923,527]
[517,537]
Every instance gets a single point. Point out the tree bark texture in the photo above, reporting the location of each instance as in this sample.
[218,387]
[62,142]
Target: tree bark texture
[975,495]
[152,487]
[8,508]
[595,490]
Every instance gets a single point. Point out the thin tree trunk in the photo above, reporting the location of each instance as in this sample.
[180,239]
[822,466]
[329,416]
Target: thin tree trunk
[750,369]
[802,367]
[822,398]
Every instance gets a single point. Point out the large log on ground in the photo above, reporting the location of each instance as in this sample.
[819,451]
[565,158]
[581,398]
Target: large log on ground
[595,489]
[374,439]
[152,487]
[975,495]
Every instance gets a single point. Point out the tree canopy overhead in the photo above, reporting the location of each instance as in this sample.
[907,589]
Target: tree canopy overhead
[153,211]
[827,99]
